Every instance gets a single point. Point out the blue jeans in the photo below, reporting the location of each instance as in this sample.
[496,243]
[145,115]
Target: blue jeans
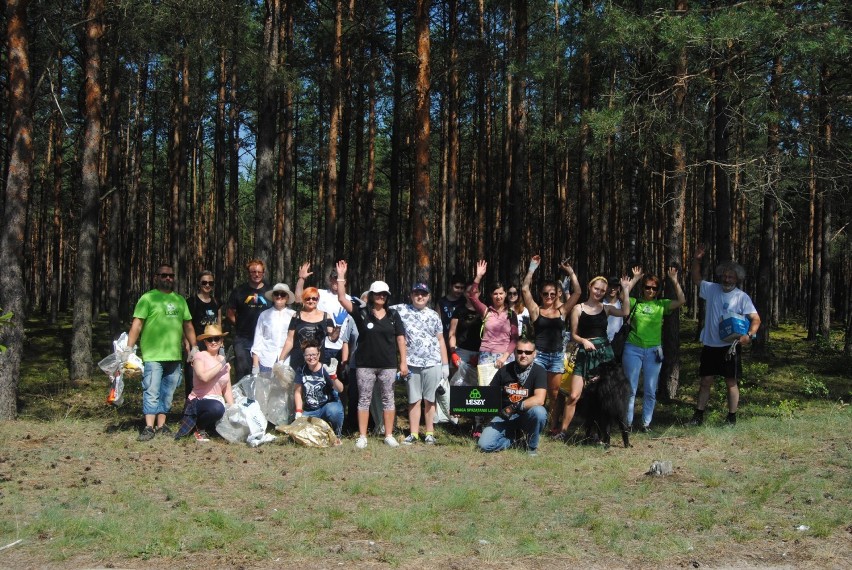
[500,434]
[159,380]
[638,359]
[331,412]
[553,362]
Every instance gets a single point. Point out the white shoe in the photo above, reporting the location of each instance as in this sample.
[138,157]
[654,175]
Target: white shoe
[361,442]
[429,440]
[390,441]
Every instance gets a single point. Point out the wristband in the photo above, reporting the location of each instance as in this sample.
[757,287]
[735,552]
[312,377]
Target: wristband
[298,411]
[341,280]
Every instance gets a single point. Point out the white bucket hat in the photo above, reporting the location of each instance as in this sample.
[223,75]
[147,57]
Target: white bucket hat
[280,287]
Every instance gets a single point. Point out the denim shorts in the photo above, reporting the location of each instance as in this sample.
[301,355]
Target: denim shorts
[553,362]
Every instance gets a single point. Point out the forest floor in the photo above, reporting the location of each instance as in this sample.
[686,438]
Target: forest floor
[78,491]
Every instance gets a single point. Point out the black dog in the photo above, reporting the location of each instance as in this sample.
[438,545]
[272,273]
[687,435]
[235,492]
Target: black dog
[604,402]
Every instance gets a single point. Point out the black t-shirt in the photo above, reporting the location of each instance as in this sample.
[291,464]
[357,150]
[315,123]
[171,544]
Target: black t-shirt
[468,329]
[377,338]
[249,303]
[305,330]
[203,313]
[447,309]
[592,326]
[514,388]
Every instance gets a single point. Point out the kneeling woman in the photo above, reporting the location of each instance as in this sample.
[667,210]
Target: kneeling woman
[317,392]
[211,387]
[588,329]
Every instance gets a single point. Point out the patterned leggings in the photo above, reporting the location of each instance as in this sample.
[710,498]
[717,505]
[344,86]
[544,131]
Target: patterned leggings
[367,378]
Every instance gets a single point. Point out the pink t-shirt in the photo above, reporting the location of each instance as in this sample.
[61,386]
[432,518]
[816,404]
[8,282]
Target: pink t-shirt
[210,378]
[501,332]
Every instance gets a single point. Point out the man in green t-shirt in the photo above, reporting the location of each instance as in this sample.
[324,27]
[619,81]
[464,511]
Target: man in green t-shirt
[163,325]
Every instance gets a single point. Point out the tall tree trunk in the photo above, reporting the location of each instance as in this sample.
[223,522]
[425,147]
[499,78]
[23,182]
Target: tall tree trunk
[584,198]
[58,243]
[392,268]
[518,190]
[722,119]
[676,209]
[826,143]
[286,150]
[115,267]
[453,142]
[19,179]
[765,284]
[81,342]
[331,176]
[267,132]
[232,251]
[420,195]
[220,154]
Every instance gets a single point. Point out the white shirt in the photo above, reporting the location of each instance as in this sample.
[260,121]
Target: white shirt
[329,303]
[270,333]
[719,303]
[613,323]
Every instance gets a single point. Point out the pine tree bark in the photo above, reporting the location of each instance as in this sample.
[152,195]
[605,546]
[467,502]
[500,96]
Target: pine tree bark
[19,179]
[331,172]
[267,132]
[81,342]
[422,189]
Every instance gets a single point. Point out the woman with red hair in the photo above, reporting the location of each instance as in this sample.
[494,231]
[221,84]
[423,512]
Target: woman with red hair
[308,324]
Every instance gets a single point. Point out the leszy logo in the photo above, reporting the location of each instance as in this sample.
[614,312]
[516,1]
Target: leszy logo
[474,398]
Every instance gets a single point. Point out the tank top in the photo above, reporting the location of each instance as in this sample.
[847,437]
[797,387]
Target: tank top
[592,326]
[548,333]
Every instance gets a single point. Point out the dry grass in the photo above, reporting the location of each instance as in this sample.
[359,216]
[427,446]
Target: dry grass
[79,490]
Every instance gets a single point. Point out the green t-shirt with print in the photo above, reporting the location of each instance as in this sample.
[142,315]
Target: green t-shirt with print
[162,334]
[647,322]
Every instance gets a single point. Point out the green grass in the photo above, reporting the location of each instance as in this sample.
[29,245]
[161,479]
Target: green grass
[79,489]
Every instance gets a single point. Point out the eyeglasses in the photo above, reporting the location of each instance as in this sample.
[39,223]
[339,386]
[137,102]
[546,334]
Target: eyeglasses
[167,275]
[279,294]
[527,352]
[311,299]
[311,355]
[210,283]
[549,294]
[651,288]
[214,339]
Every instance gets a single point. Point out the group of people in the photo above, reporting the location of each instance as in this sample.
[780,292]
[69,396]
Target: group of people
[525,340]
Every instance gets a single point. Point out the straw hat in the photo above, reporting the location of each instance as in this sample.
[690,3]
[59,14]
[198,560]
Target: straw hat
[211,330]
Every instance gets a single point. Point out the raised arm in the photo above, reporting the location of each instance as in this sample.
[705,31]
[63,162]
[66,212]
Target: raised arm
[529,302]
[570,300]
[681,298]
[695,266]
[626,285]
[304,273]
[473,295]
[345,302]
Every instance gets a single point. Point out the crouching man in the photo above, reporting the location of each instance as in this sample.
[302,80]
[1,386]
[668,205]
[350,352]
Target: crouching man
[523,388]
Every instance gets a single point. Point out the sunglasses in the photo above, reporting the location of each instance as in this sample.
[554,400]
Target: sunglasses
[527,352]
[214,339]
[167,275]
[549,294]
[279,294]
[207,283]
[513,292]
[651,288]
[311,299]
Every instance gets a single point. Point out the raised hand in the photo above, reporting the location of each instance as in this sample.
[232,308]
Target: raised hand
[305,270]
[566,267]
[481,268]
[534,263]
[340,317]
[637,271]
[699,251]
[341,267]
[672,273]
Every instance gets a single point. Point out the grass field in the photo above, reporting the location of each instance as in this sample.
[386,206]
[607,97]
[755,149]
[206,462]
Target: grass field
[78,490]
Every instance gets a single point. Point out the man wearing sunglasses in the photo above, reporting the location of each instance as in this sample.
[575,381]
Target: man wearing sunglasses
[523,388]
[163,324]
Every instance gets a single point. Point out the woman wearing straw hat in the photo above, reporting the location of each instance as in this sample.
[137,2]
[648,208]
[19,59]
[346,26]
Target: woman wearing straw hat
[212,388]
[272,328]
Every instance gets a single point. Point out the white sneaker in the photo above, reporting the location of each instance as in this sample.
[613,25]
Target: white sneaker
[429,439]
[361,442]
[390,441]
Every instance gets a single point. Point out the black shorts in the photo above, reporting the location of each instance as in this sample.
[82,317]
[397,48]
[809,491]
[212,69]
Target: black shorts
[715,362]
